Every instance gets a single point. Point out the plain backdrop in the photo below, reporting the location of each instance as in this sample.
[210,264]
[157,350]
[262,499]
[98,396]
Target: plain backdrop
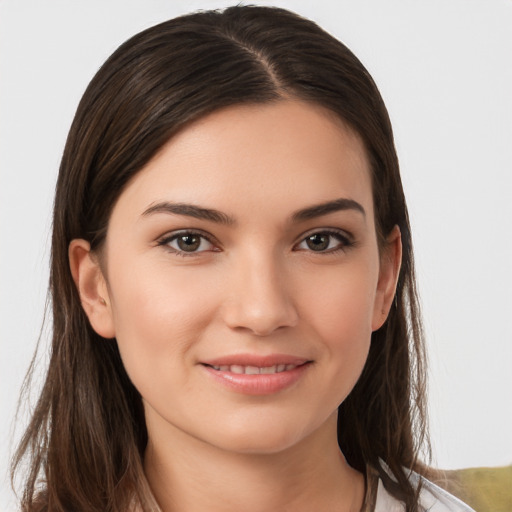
[444,70]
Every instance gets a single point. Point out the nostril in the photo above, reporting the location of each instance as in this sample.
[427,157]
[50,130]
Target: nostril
[259,300]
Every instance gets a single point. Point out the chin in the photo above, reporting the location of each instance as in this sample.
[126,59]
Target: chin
[260,444]
[258,437]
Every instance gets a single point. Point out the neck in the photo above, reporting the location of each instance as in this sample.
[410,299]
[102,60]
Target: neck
[187,474]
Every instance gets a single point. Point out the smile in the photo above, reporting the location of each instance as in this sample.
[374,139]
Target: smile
[255,370]
[254,375]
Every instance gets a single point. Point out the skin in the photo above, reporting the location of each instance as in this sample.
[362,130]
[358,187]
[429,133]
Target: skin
[254,285]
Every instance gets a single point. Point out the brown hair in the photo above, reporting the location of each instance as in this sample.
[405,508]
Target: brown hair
[85,442]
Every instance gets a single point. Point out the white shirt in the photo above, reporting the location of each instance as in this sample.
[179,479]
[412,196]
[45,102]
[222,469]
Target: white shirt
[432,499]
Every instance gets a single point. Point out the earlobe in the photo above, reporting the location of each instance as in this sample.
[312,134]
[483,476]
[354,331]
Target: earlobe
[390,263]
[92,287]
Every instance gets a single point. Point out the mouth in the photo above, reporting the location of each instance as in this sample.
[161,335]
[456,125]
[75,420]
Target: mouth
[254,370]
[254,375]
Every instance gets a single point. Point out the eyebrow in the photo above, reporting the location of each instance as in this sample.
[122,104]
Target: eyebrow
[198,212]
[318,210]
[190,210]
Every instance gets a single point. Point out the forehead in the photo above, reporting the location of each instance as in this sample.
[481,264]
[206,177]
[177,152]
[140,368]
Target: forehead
[277,156]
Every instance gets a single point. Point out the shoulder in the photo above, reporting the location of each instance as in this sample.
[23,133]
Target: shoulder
[432,499]
[436,499]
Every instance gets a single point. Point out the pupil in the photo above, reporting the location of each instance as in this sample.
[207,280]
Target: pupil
[318,242]
[189,243]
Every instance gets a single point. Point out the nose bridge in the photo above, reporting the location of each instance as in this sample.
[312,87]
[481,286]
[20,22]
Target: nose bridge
[260,298]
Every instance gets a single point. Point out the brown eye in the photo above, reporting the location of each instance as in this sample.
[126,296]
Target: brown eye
[188,243]
[318,241]
[325,242]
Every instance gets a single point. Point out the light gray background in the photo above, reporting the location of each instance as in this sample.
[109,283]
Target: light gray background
[444,69]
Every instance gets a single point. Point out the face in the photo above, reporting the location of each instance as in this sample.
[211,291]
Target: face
[242,277]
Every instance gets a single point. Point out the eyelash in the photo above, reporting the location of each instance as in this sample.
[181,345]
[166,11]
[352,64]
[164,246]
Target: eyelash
[344,240]
[166,240]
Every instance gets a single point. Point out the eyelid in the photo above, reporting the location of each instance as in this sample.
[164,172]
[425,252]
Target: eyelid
[327,230]
[346,239]
[168,237]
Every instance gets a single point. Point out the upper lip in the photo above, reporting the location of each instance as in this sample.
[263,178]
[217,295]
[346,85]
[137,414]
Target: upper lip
[256,360]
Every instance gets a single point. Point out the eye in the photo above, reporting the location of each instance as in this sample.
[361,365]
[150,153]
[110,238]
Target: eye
[187,243]
[325,241]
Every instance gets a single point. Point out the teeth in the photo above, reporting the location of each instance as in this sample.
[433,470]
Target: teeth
[255,370]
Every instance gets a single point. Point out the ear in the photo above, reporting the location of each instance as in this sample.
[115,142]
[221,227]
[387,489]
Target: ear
[92,287]
[390,262]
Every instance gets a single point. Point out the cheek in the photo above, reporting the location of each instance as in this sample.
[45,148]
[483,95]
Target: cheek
[157,317]
[154,296]
[343,307]
[342,319]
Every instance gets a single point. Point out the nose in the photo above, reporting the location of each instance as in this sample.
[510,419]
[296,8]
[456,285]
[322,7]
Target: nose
[261,299]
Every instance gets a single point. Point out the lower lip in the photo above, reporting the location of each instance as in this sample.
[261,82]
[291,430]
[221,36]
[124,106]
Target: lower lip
[262,384]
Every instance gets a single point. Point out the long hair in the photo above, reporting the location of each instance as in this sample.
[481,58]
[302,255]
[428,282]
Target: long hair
[86,439]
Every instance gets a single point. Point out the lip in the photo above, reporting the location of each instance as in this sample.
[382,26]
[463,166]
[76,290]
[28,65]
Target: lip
[258,384]
[255,360]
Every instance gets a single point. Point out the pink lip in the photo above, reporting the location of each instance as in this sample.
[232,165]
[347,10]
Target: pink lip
[260,384]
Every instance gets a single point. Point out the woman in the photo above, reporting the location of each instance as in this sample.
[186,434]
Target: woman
[235,316]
